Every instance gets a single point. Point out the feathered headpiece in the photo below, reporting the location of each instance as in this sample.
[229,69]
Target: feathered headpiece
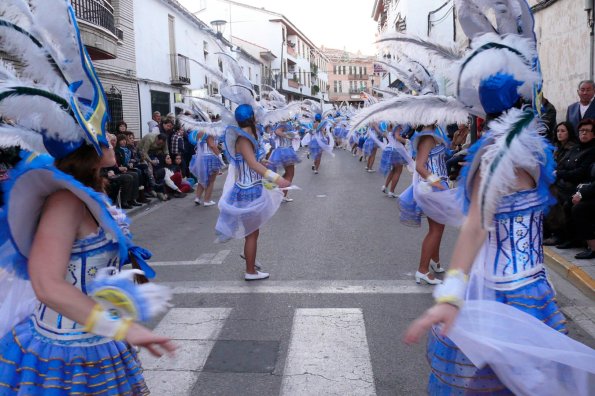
[55,102]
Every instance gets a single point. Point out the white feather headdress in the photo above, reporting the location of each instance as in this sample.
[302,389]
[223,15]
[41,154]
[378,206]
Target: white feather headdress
[55,102]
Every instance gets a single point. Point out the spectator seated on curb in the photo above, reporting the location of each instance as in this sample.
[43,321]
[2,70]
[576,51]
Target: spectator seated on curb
[564,140]
[123,160]
[572,171]
[583,214]
[121,183]
[142,166]
[184,184]
[165,186]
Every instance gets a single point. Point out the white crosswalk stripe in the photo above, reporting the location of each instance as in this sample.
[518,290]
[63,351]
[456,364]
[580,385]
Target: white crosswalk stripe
[195,331]
[328,354]
[299,287]
[203,259]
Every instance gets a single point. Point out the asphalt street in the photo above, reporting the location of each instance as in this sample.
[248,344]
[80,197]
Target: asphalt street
[331,317]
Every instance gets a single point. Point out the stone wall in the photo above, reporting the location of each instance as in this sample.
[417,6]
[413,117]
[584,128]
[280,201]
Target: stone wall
[563,43]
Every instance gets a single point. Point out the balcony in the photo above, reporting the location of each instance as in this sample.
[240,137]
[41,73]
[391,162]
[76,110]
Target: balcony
[293,84]
[98,27]
[357,76]
[291,50]
[180,70]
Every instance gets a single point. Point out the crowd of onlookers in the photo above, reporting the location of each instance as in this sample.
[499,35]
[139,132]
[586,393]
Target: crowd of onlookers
[156,166]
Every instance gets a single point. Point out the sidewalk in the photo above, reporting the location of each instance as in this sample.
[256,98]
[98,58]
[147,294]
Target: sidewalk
[578,272]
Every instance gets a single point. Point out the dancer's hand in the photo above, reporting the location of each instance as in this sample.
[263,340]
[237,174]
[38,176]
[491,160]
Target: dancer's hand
[438,184]
[439,313]
[283,183]
[143,337]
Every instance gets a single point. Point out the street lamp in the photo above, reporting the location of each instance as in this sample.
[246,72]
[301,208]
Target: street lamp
[219,25]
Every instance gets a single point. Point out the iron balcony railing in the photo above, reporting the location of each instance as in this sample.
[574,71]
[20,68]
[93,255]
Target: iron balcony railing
[180,70]
[97,12]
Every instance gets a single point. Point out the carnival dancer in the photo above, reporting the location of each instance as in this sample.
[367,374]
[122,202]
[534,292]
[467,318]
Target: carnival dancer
[284,154]
[371,147]
[508,337]
[392,161]
[246,203]
[69,316]
[205,165]
[321,140]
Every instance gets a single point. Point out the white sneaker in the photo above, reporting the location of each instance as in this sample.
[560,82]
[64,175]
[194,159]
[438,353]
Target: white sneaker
[197,201]
[392,195]
[287,199]
[384,189]
[257,276]
[371,170]
[315,172]
[209,203]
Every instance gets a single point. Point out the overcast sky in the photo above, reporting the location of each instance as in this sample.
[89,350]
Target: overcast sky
[343,25]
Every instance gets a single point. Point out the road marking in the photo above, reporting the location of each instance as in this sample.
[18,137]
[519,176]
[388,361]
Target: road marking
[203,259]
[328,354]
[195,331]
[299,287]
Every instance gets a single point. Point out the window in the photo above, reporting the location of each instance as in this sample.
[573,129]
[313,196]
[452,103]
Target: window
[350,71]
[341,86]
[335,70]
[335,86]
[114,104]
[344,70]
[160,101]
[205,49]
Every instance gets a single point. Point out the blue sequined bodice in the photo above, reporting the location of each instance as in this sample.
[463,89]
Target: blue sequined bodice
[88,255]
[246,176]
[436,162]
[515,255]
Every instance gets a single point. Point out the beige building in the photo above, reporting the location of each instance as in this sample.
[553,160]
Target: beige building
[349,75]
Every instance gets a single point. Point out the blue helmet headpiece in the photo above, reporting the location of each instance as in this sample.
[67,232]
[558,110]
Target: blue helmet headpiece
[499,92]
[318,117]
[244,112]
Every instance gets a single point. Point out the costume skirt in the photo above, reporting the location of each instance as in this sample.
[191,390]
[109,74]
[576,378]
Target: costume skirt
[454,374]
[32,364]
[283,156]
[203,166]
[315,149]
[369,146]
[390,158]
[244,209]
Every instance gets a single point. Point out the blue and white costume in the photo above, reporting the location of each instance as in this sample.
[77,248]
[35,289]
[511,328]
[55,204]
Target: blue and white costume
[411,209]
[204,162]
[284,153]
[246,203]
[322,140]
[393,153]
[42,351]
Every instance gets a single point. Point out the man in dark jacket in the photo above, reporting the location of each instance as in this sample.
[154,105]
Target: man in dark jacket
[584,108]
[583,216]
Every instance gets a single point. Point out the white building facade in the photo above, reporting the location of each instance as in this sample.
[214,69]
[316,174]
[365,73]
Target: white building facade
[293,64]
[171,43]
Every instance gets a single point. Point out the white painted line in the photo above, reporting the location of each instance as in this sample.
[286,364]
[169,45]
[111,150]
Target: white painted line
[220,257]
[328,354]
[299,287]
[203,259]
[195,331]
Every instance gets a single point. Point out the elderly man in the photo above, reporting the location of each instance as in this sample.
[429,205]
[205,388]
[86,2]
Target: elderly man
[155,121]
[584,108]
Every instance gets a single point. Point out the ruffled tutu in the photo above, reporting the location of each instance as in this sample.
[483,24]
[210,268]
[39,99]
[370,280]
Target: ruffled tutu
[454,374]
[390,158]
[203,166]
[410,213]
[283,156]
[244,210]
[369,146]
[315,149]
[31,364]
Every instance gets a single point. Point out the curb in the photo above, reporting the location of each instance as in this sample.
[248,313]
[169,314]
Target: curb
[138,209]
[572,273]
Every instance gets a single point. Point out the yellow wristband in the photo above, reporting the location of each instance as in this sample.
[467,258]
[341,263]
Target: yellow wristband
[272,176]
[123,329]
[92,319]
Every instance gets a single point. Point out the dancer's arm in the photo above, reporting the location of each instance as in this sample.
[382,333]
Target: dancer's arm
[244,147]
[211,144]
[60,220]
[469,242]
[426,144]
